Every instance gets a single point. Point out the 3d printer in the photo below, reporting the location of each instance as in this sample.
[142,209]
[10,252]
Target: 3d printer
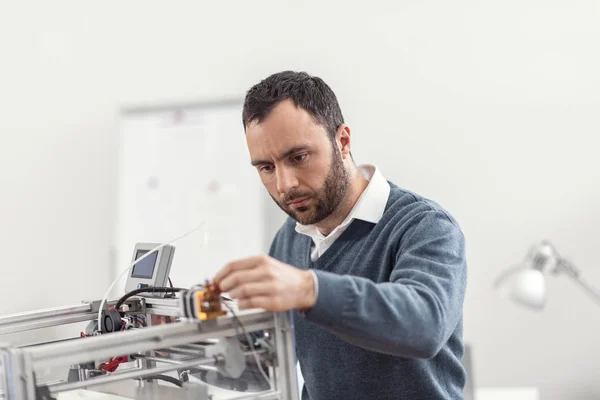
[155,342]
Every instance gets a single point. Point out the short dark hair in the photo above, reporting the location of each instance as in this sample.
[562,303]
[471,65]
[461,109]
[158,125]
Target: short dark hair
[307,92]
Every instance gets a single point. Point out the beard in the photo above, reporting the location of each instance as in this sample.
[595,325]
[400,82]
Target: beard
[325,200]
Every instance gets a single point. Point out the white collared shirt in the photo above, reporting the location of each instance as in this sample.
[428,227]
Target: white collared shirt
[369,207]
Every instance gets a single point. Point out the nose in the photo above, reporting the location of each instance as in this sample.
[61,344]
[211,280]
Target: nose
[286,179]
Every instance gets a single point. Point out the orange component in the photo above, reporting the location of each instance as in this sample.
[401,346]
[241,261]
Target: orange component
[208,302]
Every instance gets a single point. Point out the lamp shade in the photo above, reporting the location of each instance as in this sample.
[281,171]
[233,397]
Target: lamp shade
[526,284]
[528,288]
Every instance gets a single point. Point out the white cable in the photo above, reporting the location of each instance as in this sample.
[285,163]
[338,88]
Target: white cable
[249,339]
[262,371]
[131,266]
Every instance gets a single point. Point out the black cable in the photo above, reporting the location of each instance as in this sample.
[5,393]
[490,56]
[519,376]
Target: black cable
[171,285]
[166,378]
[146,290]
[226,297]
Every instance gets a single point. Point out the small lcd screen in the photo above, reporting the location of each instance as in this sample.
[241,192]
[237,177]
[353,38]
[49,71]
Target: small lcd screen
[145,268]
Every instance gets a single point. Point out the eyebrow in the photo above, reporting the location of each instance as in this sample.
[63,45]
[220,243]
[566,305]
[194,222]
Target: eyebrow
[287,153]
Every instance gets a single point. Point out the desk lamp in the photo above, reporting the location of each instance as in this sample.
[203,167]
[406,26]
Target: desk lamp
[525,283]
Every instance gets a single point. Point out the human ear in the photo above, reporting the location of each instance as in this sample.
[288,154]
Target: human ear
[342,138]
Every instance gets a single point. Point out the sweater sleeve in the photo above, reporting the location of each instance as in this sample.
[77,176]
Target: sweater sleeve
[412,315]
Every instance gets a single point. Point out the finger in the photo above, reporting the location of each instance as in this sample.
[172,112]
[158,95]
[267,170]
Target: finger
[238,278]
[252,290]
[238,265]
[265,302]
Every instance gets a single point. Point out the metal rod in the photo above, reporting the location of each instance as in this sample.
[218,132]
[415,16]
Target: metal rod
[177,350]
[160,359]
[178,362]
[45,323]
[593,292]
[205,368]
[51,341]
[288,380]
[196,347]
[30,320]
[139,340]
[566,267]
[138,373]
[187,349]
[48,312]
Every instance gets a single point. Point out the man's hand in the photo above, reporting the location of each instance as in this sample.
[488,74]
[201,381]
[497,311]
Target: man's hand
[263,282]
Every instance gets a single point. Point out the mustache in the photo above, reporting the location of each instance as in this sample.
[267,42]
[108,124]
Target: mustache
[294,195]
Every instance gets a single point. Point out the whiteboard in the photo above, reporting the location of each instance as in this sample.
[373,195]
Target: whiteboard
[179,166]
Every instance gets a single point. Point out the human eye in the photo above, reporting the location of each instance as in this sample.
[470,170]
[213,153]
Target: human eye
[266,169]
[298,158]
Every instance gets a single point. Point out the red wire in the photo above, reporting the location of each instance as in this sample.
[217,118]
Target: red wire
[113,364]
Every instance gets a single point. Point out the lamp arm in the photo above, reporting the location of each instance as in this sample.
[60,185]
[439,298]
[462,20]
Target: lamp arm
[568,268]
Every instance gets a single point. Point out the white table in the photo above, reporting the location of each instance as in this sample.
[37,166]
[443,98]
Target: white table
[519,393]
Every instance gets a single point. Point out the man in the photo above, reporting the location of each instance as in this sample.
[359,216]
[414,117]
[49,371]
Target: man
[376,274]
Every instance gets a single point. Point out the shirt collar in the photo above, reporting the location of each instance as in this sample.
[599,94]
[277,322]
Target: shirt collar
[370,205]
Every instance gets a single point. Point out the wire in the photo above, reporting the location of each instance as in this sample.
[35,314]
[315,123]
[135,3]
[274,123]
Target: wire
[170,283]
[166,378]
[146,290]
[250,341]
[226,297]
[138,320]
[113,364]
[103,302]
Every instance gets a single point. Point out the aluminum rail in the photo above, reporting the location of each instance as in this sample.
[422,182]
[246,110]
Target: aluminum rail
[138,373]
[158,306]
[85,311]
[142,373]
[178,362]
[140,340]
[30,320]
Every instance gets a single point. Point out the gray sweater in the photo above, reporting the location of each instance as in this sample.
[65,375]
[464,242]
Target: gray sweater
[387,323]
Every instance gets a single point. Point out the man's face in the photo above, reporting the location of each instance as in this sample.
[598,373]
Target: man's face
[298,164]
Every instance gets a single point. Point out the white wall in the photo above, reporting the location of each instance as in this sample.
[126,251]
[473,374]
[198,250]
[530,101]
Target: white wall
[489,108]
